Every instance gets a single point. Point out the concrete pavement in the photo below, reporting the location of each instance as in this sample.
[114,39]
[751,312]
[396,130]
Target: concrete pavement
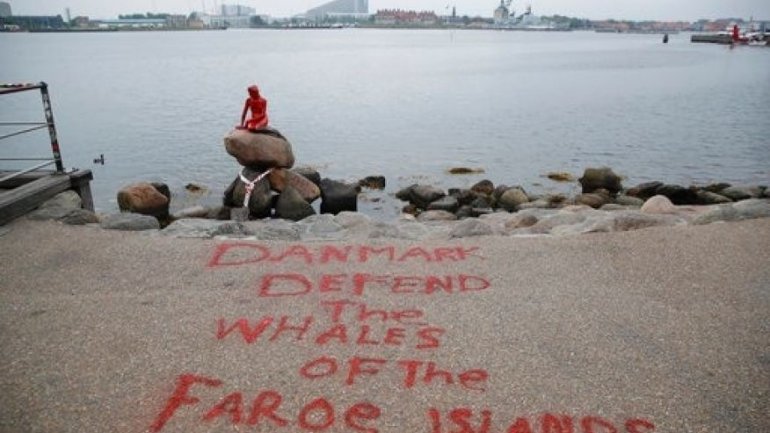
[663,329]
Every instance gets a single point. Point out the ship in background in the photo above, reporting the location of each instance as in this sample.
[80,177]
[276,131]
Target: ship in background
[505,18]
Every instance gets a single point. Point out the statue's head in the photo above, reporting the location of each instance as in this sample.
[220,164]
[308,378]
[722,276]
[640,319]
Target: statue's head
[253,91]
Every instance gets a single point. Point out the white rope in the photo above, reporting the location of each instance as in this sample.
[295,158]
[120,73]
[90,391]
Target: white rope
[250,184]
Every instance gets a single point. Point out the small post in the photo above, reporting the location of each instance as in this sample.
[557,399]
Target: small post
[51,126]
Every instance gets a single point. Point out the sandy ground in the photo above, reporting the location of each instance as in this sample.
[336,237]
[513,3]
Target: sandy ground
[663,329]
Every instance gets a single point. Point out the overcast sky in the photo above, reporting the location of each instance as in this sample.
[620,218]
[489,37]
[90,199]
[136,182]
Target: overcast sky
[686,10]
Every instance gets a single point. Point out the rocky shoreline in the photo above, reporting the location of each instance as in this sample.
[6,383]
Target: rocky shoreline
[271,199]
[542,216]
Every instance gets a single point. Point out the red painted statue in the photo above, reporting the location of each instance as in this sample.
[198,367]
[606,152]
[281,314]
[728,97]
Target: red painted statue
[258,106]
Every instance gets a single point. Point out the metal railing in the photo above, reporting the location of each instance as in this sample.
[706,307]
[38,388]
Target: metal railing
[28,127]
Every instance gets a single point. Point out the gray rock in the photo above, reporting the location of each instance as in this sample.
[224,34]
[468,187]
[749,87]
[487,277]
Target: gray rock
[463,196]
[129,222]
[480,211]
[737,193]
[708,197]
[612,207]
[308,173]
[564,218]
[436,215]
[512,198]
[49,213]
[485,187]
[540,203]
[337,197]
[658,204]
[274,230]
[723,212]
[322,226]
[384,230]
[593,200]
[644,190]
[292,206]
[678,195]
[633,220]
[447,203]
[79,217]
[464,212]
[68,199]
[752,208]
[372,182]
[716,187]
[521,220]
[627,200]
[196,211]
[597,178]
[405,194]
[351,219]
[203,228]
[481,202]
[469,228]
[423,195]
[260,201]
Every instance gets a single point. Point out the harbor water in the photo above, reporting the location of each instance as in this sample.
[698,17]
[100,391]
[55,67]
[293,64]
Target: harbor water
[406,104]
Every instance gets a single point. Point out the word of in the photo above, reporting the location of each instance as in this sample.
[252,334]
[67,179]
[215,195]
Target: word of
[425,337]
[242,253]
[317,415]
[463,419]
[414,372]
[276,285]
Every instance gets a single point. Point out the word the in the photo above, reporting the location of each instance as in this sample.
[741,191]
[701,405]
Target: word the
[276,285]
[414,372]
[242,253]
[424,337]
[265,409]
[466,422]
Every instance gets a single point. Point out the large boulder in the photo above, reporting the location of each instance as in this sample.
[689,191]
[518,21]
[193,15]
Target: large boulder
[485,187]
[600,178]
[292,206]
[447,203]
[737,193]
[659,204]
[678,194]
[129,222]
[281,178]
[260,200]
[644,190]
[511,199]
[337,197]
[308,173]
[260,150]
[143,198]
[423,195]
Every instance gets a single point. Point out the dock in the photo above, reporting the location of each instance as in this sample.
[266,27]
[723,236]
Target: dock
[24,189]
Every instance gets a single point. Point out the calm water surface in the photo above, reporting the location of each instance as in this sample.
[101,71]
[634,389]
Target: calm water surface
[407,104]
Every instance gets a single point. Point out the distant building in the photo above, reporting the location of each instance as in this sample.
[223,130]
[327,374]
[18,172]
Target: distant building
[137,23]
[339,8]
[221,21]
[80,21]
[390,17]
[237,10]
[32,22]
[5,9]
[501,13]
[176,21]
